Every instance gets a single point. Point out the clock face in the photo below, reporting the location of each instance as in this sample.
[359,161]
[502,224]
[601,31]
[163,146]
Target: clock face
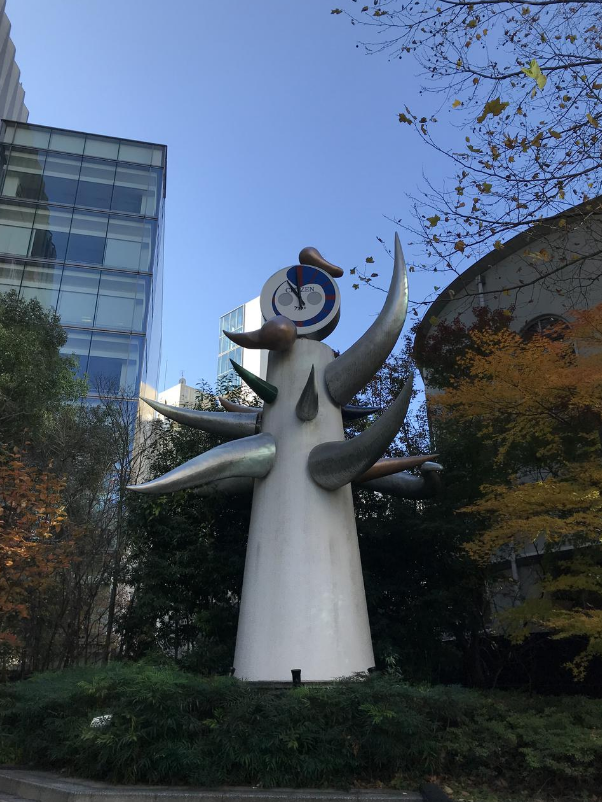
[306,295]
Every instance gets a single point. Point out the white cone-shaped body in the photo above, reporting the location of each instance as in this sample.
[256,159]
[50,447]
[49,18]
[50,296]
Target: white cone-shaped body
[303,600]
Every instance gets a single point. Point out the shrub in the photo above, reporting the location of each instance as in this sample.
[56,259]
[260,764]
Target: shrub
[171,727]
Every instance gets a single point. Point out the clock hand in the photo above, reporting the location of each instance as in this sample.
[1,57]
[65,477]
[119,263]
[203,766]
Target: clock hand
[297,293]
[299,272]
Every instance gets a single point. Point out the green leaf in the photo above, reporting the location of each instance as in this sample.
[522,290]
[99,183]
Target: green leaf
[433,220]
[534,71]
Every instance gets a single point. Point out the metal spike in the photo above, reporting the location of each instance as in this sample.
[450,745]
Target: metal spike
[307,405]
[352,371]
[277,334]
[251,457]
[224,424]
[404,485]
[335,464]
[237,486]
[230,406]
[355,413]
[386,467]
[266,391]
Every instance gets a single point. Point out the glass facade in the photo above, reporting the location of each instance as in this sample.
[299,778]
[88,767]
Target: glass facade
[234,321]
[81,221]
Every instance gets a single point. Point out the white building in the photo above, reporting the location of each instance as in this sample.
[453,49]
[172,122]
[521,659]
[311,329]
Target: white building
[180,395]
[247,317]
[12,95]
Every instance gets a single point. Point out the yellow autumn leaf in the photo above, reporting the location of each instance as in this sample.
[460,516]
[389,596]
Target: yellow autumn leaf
[553,133]
[592,120]
[456,103]
[486,187]
[433,220]
[369,260]
[534,71]
[404,119]
[460,246]
[494,107]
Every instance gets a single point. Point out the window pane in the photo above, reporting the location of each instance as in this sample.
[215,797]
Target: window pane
[131,189]
[11,274]
[67,143]
[121,302]
[77,301]
[109,365]
[87,238]
[139,154]
[157,160]
[24,174]
[51,232]
[129,244]
[132,386]
[15,229]
[78,344]
[8,132]
[42,283]
[155,187]
[101,147]
[96,184]
[60,178]
[31,137]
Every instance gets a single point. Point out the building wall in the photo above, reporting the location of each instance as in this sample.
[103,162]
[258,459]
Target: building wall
[180,395]
[81,230]
[246,317]
[12,96]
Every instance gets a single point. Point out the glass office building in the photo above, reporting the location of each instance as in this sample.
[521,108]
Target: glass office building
[81,230]
[234,321]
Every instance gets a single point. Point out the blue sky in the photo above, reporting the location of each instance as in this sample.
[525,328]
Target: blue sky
[280,134]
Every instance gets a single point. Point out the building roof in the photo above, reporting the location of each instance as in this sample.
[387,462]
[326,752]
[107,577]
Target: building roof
[493,258]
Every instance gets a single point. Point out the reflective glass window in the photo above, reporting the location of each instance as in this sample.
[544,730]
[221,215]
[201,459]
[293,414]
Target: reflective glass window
[42,283]
[131,189]
[96,184]
[77,300]
[23,177]
[122,301]
[60,178]
[155,187]
[8,132]
[114,362]
[78,345]
[101,147]
[67,142]
[11,274]
[15,229]
[31,137]
[129,243]
[139,154]
[51,233]
[87,238]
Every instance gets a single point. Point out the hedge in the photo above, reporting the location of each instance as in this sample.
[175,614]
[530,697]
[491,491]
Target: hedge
[170,727]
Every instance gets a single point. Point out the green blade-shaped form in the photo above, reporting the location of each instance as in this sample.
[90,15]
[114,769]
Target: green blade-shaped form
[266,391]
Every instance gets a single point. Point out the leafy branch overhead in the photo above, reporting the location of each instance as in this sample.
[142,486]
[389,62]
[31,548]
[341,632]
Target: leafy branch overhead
[517,90]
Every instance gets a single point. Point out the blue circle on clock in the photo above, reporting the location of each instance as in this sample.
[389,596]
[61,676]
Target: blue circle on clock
[307,279]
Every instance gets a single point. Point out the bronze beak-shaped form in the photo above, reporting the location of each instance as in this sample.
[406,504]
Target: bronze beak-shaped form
[386,467]
[276,334]
[313,257]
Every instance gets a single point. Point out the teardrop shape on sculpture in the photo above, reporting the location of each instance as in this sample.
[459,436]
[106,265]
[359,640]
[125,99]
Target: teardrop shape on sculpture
[266,391]
[312,257]
[307,405]
[276,334]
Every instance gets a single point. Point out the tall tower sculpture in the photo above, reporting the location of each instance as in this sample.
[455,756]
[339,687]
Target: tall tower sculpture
[303,603]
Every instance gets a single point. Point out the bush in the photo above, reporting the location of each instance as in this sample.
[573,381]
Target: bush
[177,728]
